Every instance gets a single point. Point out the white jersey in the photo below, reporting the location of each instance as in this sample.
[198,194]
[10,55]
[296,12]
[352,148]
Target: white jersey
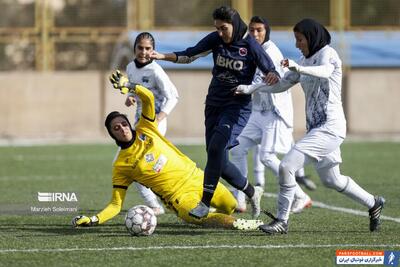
[320,77]
[321,80]
[280,104]
[153,77]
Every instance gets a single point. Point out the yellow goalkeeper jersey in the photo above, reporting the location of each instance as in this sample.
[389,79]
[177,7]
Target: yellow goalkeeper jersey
[152,160]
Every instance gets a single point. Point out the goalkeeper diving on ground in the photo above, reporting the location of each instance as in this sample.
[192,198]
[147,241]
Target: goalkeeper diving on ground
[148,158]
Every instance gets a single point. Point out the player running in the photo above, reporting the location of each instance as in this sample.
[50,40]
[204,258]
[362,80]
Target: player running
[144,71]
[270,123]
[148,158]
[319,72]
[236,56]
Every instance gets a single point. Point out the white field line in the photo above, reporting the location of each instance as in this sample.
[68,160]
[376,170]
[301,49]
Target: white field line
[345,210]
[299,246]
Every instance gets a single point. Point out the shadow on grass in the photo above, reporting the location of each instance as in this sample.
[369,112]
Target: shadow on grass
[106,230]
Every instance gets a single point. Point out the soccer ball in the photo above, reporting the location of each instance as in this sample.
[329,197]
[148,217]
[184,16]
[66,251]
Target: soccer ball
[140,220]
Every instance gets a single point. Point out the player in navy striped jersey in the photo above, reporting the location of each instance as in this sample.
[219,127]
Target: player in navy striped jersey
[236,56]
[270,123]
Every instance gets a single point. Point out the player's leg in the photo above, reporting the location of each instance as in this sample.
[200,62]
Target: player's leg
[238,157]
[332,178]
[232,175]
[314,146]
[277,138]
[223,201]
[237,117]
[258,167]
[150,199]
[222,133]
[217,138]
[292,161]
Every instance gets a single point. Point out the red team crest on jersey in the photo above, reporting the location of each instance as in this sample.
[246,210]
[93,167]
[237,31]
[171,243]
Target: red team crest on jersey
[242,51]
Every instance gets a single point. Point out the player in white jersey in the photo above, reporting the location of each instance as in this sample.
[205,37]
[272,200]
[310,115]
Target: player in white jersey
[319,72]
[270,123]
[148,73]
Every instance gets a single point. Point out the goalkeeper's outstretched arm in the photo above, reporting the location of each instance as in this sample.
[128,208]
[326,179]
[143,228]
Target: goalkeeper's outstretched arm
[112,209]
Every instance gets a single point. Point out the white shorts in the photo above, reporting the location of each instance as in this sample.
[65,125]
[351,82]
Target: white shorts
[322,146]
[270,131]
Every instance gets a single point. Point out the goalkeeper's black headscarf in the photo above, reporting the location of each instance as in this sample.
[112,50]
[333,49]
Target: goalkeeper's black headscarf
[107,123]
[230,15]
[317,35]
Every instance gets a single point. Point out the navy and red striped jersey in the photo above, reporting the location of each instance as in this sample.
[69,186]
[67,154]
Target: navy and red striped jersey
[234,64]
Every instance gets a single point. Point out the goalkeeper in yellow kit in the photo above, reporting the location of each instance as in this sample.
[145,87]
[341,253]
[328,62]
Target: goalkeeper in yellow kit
[148,158]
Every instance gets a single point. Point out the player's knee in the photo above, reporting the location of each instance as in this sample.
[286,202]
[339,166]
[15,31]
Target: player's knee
[286,175]
[331,179]
[329,182]
[238,152]
[267,158]
[217,144]
[334,182]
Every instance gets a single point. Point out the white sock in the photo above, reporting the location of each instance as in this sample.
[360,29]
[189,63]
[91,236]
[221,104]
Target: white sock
[241,198]
[285,199]
[299,193]
[300,173]
[357,193]
[259,178]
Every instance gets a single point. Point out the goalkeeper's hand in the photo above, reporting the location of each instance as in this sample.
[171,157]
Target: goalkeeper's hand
[121,82]
[84,221]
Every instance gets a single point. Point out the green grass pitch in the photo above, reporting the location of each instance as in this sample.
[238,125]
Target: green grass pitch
[35,239]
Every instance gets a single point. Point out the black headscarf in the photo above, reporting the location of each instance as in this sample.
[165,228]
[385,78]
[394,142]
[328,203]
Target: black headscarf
[239,27]
[317,35]
[107,123]
[258,19]
[230,15]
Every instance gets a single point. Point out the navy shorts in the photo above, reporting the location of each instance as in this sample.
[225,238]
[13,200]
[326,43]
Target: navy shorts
[236,116]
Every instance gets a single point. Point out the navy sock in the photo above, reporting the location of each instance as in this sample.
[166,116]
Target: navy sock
[215,160]
[249,190]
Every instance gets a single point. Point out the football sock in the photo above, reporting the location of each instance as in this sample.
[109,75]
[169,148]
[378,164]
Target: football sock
[232,175]
[258,168]
[357,193]
[285,199]
[216,151]
[298,192]
[300,173]
[248,190]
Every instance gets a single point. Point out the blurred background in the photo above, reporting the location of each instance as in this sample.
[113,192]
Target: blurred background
[56,55]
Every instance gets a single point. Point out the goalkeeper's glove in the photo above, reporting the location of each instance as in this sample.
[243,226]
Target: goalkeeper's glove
[84,221]
[121,82]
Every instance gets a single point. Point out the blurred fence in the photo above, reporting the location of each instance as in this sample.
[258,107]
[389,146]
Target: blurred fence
[85,34]
[55,56]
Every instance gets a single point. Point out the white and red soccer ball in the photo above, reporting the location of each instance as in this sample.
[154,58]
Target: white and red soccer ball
[140,220]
